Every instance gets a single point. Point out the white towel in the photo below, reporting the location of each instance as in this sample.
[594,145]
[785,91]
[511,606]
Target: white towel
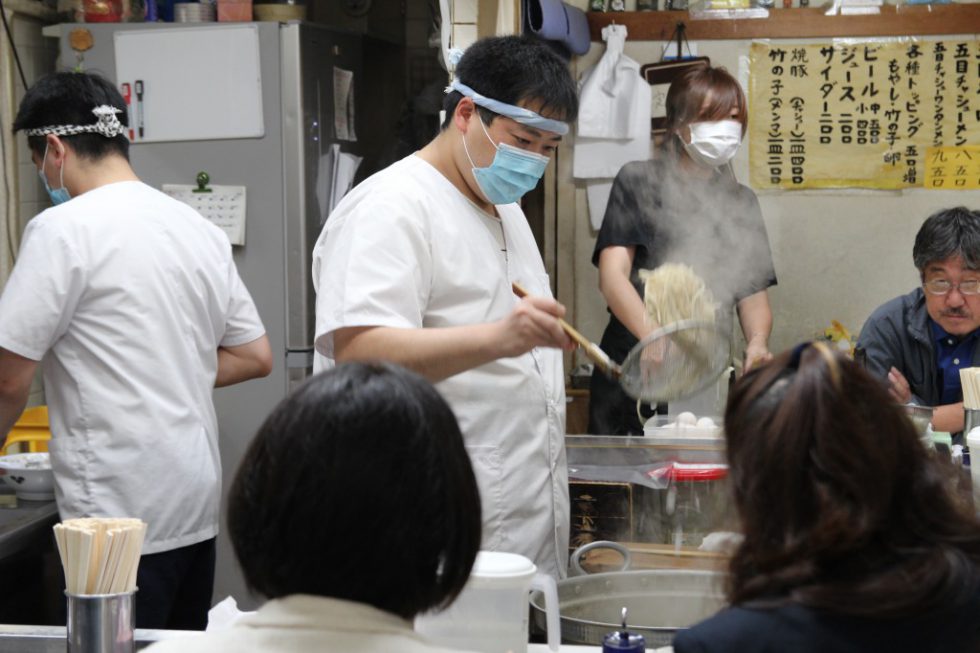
[614,121]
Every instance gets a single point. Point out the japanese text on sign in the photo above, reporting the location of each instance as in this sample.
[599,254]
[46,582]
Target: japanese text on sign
[873,115]
[952,168]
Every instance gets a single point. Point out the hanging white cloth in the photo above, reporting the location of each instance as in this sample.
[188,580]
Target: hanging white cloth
[608,90]
[507,23]
[597,192]
[614,119]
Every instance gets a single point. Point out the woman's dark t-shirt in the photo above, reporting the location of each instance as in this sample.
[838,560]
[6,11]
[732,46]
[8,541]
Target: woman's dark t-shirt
[714,225]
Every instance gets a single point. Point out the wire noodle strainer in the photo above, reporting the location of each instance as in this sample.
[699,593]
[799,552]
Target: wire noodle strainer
[673,362]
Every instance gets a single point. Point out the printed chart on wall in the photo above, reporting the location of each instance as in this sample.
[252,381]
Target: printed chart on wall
[875,114]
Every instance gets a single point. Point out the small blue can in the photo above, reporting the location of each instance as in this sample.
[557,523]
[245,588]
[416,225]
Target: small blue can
[622,641]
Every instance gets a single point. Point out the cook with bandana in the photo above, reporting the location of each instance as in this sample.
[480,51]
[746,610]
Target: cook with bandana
[416,265]
[130,303]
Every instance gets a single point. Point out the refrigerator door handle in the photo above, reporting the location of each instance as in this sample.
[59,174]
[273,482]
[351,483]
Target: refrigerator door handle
[299,359]
[299,367]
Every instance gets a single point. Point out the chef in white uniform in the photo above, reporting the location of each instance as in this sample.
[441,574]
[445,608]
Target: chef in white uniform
[415,266]
[131,304]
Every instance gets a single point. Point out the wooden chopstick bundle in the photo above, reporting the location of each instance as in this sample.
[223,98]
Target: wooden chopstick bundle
[970,380]
[100,555]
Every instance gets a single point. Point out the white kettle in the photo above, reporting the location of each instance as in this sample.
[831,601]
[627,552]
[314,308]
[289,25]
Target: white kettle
[491,613]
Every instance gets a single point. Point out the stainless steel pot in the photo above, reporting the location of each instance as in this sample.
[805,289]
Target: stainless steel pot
[659,602]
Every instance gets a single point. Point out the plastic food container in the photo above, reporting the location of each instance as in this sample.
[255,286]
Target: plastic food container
[695,502]
[672,430]
[491,613]
[102,11]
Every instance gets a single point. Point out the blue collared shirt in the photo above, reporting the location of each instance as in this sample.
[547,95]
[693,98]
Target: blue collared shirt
[951,356]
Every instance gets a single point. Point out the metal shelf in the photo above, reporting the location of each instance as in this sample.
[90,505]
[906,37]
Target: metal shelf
[893,20]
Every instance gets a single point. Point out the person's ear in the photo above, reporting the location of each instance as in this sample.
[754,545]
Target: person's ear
[56,148]
[684,133]
[464,113]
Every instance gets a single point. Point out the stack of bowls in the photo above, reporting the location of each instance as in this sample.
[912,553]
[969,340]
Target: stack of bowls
[29,474]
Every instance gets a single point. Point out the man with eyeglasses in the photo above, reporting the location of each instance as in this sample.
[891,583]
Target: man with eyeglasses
[920,341]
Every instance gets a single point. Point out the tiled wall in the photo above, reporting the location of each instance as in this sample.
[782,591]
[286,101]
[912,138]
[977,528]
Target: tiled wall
[465,14]
[37,55]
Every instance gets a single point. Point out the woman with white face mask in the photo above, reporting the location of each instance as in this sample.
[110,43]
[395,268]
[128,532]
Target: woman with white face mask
[683,206]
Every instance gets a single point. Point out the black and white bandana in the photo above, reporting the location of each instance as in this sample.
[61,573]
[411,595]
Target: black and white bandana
[107,125]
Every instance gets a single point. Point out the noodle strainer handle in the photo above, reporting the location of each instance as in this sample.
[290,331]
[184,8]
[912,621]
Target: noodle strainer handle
[592,350]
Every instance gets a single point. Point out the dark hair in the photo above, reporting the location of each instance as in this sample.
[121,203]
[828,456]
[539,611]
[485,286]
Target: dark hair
[946,233]
[841,506]
[67,98]
[358,487]
[686,97]
[515,69]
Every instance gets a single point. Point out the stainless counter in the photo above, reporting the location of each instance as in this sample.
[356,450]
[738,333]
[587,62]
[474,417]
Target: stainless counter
[52,639]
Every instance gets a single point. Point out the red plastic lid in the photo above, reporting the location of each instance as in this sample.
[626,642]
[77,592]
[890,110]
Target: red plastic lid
[695,472]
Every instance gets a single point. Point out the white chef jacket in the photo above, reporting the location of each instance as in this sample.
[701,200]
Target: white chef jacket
[406,249]
[126,294]
[301,623]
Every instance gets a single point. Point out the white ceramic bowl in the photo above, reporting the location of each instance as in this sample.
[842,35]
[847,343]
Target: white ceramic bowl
[29,474]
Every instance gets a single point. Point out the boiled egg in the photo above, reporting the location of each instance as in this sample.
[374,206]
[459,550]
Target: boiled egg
[687,419]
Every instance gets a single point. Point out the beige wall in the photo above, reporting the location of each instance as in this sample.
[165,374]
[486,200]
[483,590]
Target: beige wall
[838,254]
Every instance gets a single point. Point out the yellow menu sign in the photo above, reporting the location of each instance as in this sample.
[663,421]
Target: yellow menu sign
[953,168]
[872,115]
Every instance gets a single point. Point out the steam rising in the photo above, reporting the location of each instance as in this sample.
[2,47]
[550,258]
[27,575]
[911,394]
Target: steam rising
[713,226]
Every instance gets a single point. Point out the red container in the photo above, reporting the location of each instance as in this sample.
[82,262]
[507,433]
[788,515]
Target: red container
[102,11]
[234,11]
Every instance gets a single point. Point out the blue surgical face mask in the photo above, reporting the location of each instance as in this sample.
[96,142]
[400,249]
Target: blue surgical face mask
[57,195]
[512,173]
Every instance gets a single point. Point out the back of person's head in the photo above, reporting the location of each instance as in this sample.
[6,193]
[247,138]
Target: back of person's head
[67,99]
[841,506]
[358,487]
[948,233]
[515,70]
[703,94]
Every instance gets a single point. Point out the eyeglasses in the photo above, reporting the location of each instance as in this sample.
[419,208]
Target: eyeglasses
[943,287]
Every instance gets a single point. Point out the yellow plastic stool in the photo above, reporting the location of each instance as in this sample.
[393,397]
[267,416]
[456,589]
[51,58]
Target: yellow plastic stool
[31,430]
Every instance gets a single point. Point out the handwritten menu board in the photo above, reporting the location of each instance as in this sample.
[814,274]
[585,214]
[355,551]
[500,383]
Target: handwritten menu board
[884,115]
[953,168]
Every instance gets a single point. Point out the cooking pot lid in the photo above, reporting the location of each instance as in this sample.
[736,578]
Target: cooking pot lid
[495,568]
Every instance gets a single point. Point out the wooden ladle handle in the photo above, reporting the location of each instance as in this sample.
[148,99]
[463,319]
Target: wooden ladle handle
[591,349]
